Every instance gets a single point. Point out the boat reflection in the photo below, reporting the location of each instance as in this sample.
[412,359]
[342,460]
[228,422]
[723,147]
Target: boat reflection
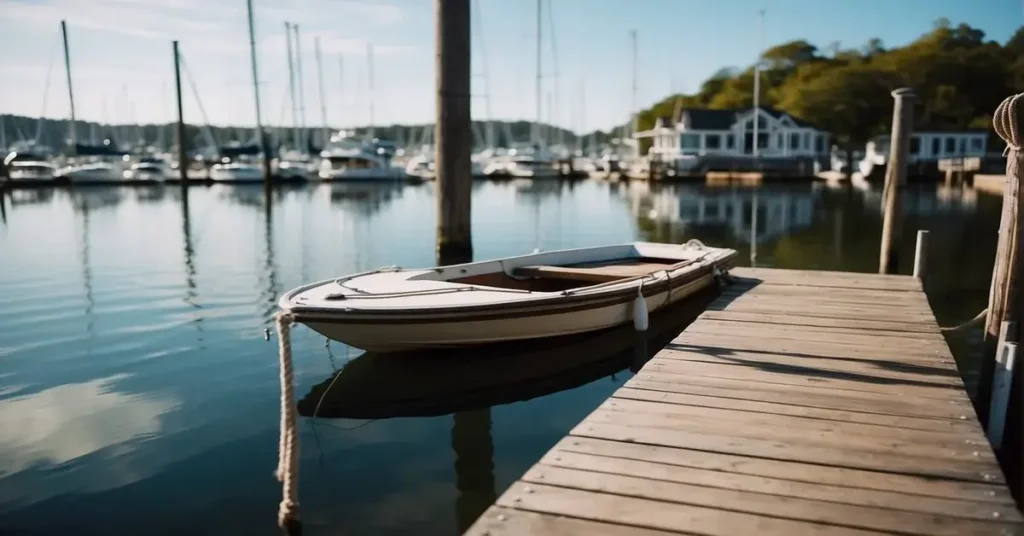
[439,382]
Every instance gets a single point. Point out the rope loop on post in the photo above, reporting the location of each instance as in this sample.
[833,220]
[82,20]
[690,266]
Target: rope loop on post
[1004,121]
[288,449]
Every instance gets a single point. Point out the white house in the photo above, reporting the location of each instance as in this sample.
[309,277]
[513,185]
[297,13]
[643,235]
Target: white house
[927,147]
[700,132]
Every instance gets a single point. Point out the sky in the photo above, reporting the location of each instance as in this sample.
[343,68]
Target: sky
[122,64]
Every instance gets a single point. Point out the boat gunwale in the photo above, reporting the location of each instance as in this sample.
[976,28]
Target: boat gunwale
[542,303]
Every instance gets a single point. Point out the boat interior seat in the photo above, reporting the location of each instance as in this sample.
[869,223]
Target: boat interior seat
[596,272]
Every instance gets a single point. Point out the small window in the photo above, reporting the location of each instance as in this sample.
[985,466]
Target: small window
[978,144]
[794,140]
[950,145]
[762,140]
[963,146]
[730,141]
[936,146]
[689,141]
[819,144]
[807,140]
[915,145]
[712,141]
[780,142]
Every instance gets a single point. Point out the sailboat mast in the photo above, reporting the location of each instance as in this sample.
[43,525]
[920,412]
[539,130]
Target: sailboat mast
[535,131]
[291,83]
[256,96]
[67,69]
[490,141]
[301,88]
[369,65]
[320,83]
[632,102]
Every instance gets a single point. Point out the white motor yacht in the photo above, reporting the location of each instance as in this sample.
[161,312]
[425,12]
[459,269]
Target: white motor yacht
[27,166]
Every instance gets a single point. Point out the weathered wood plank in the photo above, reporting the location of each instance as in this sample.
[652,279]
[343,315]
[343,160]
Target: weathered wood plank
[808,376]
[795,328]
[776,486]
[825,437]
[786,507]
[916,373]
[798,319]
[646,513]
[986,492]
[810,395]
[793,405]
[501,521]
[776,449]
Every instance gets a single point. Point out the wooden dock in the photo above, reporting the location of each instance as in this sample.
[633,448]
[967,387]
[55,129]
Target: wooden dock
[800,402]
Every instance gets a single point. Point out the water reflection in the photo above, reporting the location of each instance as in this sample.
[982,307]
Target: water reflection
[156,373]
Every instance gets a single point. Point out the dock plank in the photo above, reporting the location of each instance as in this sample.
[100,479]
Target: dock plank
[800,402]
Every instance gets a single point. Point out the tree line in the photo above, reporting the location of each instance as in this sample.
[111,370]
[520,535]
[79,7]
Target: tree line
[958,76]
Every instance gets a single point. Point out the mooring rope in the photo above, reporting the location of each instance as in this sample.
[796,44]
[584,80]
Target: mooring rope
[1004,121]
[288,449]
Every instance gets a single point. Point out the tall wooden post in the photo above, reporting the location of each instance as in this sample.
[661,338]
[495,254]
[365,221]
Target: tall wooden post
[1002,305]
[453,129]
[183,162]
[896,178]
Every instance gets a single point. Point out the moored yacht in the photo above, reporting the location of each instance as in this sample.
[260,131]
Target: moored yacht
[28,166]
[148,168]
[346,158]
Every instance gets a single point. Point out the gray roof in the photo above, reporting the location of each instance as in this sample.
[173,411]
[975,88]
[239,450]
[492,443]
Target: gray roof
[707,119]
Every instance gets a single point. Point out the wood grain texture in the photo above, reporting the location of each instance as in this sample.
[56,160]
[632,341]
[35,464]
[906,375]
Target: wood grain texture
[800,402]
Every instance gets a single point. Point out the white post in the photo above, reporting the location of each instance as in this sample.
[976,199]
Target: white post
[1001,391]
[921,254]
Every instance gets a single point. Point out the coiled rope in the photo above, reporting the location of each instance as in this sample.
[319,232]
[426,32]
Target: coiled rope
[288,448]
[1004,121]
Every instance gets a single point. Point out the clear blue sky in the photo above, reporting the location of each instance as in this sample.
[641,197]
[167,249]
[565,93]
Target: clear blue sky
[121,52]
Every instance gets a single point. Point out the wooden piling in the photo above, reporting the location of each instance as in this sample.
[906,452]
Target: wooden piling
[895,178]
[921,255]
[183,162]
[1004,276]
[452,127]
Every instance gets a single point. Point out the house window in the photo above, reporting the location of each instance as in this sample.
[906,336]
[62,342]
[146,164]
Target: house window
[807,140]
[978,144]
[712,141]
[819,144]
[963,146]
[762,140]
[689,141]
[915,145]
[780,142]
[794,140]
[950,145]
[936,146]
[730,141]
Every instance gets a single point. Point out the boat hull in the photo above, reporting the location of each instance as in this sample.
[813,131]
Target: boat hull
[494,326]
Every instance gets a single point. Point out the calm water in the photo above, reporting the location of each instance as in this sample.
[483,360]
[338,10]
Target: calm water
[137,394]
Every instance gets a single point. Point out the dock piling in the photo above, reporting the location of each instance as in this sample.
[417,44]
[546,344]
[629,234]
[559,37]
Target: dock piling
[895,178]
[921,255]
[453,128]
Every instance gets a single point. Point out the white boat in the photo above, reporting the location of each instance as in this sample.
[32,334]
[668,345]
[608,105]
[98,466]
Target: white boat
[357,165]
[29,167]
[228,170]
[295,165]
[421,166]
[93,171]
[148,168]
[531,296]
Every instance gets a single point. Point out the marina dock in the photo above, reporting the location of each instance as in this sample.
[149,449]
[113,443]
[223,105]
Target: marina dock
[800,402]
